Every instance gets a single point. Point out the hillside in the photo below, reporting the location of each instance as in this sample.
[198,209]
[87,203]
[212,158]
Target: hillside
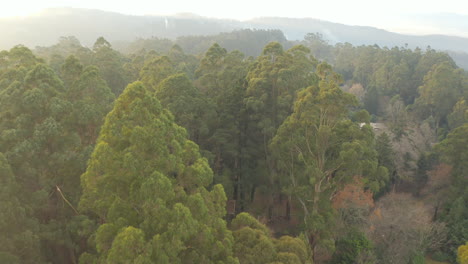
[87,25]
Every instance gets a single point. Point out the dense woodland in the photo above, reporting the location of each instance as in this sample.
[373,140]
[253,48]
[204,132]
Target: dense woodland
[193,152]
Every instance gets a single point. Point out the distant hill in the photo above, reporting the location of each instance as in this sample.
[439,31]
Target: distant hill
[87,25]
[295,28]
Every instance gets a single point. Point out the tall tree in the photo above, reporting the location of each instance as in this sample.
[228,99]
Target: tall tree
[91,100]
[19,229]
[110,64]
[41,152]
[47,133]
[254,244]
[442,87]
[272,83]
[190,109]
[221,77]
[459,115]
[455,153]
[156,70]
[146,184]
[386,155]
[317,150]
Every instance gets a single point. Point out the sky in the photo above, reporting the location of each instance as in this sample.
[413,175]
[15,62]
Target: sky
[403,16]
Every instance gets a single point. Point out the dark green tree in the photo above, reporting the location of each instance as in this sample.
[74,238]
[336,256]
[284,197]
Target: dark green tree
[386,155]
[190,109]
[221,78]
[354,247]
[272,83]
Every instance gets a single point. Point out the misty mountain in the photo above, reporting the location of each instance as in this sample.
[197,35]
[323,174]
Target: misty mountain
[87,25]
[295,28]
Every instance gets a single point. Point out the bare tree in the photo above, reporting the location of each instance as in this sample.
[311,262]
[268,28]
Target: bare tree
[401,227]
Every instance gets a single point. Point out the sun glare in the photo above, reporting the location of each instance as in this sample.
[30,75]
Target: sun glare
[18,11]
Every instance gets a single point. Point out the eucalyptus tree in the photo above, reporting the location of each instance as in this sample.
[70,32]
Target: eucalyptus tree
[147,186]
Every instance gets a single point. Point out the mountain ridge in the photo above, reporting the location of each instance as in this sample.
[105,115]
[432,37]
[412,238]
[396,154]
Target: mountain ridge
[87,25]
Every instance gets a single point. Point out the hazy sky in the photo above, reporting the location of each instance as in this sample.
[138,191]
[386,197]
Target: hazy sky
[407,16]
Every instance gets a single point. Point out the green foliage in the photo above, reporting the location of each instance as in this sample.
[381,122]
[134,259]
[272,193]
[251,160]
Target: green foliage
[277,123]
[441,89]
[246,220]
[253,246]
[459,115]
[128,247]
[418,259]
[272,83]
[455,153]
[351,248]
[71,70]
[220,79]
[147,183]
[295,247]
[386,155]
[253,243]
[110,64]
[362,116]
[158,68]
[56,54]
[318,150]
[248,41]
[186,103]
[47,133]
[452,150]
[20,238]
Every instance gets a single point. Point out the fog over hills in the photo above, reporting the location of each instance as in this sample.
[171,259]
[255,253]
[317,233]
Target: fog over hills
[87,25]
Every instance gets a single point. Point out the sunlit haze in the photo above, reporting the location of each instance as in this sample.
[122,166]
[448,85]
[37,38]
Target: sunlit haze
[399,15]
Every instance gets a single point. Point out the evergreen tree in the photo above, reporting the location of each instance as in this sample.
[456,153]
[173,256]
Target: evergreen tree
[190,109]
[272,83]
[386,155]
[454,152]
[253,243]
[317,150]
[146,184]
[46,138]
[110,64]
[221,78]
[441,89]
[19,241]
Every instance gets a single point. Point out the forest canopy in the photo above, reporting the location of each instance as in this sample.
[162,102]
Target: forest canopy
[298,152]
